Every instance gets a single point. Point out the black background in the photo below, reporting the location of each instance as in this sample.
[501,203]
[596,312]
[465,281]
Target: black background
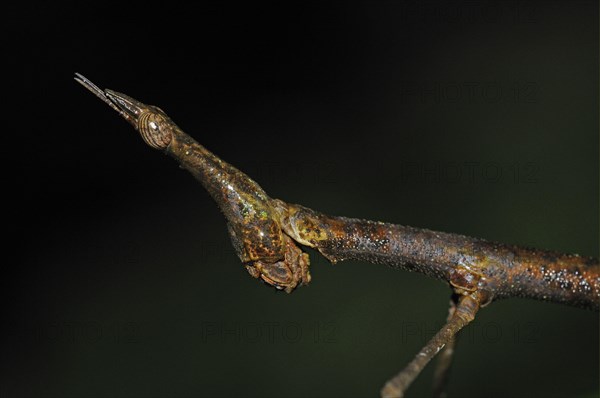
[478,118]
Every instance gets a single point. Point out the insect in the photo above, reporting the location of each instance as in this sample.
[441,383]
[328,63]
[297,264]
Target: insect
[268,235]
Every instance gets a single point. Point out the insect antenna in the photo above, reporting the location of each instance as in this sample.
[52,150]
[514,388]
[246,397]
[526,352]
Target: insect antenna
[98,92]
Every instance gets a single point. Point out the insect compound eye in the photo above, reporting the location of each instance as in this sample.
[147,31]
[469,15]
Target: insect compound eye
[151,132]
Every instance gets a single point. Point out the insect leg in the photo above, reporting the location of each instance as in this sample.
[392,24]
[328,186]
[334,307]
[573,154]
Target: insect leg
[444,360]
[465,313]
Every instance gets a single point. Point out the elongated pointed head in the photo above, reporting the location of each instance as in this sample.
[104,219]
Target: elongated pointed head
[153,124]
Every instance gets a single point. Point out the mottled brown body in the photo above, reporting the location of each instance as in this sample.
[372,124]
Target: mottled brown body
[267,253]
[266,232]
[253,225]
[468,264]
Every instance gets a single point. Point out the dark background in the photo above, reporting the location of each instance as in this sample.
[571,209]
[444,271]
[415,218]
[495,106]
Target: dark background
[478,118]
